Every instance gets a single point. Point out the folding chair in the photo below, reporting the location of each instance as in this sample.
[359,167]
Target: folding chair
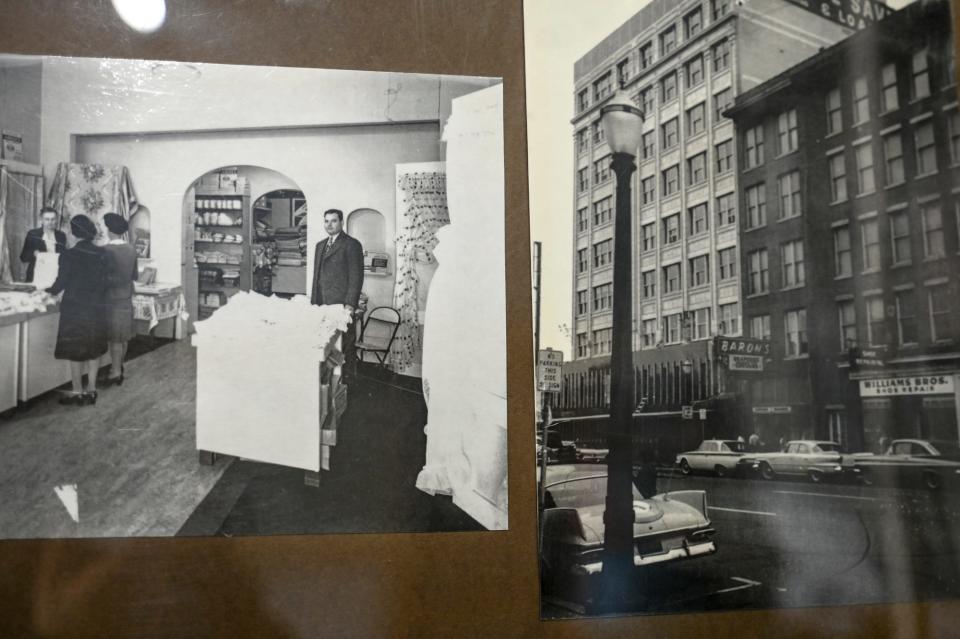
[377,333]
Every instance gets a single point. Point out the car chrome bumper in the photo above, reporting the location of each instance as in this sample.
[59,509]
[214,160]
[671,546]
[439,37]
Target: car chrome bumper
[675,554]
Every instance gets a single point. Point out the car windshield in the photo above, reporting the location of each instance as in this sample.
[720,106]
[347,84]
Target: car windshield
[580,493]
[734,447]
[948,450]
[826,447]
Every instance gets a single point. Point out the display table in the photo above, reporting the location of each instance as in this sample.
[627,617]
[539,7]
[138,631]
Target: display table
[268,381]
[28,336]
[159,307]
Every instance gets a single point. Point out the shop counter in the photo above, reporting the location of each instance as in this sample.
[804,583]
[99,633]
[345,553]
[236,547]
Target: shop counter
[40,371]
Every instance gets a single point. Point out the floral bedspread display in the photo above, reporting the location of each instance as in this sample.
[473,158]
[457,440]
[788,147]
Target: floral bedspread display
[92,190]
[155,302]
[424,213]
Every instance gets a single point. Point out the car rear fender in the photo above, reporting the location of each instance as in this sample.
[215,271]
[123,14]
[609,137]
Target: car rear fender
[694,498]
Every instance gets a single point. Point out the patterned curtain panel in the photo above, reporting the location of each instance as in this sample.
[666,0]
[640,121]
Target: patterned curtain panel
[92,190]
[424,213]
[20,197]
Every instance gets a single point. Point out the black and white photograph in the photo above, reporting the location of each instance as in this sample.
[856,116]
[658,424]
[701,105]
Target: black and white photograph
[249,300]
[744,227]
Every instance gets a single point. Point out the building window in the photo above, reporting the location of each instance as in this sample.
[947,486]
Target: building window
[598,132]
[861,100]
[671,229]
[920,75]
[649,280]
[729,319]
[926,152]
[583,100]
[668,88]
[948,63]
[726,210]
[900,237]
[583,179]
[647,100]
[756,206]
[668,41]
[583,220]
[649,233]
[603,211]
[876,323]
[646,55]
[582,260]
[838,178]
[938,299]
[953,126]
[583,141]
[673,326]
[834,111]
[760,327]
[889,98]
[647,187]
[583,348]
[787,132]
[906,317]
[669,133]
[696,119]
[699,270]
[893,158]
[724,155]
[789,187]
[582,303]
[842,252]
[870,235]
[719,8]
[758,276]
[649,145]
[932,221]
[865,177]
[602,341]
[602,253]
[847,314]
[671,279]
[721,55]
[754,146]
[795,332]
[697,169]
[623,71]
[693,23]
[693,71]
[603,87]
[697,219]
[701,323]
[602,297]
[791,261]
[601,170]
[727,263]
[649,333]
[671,180]
[721,102]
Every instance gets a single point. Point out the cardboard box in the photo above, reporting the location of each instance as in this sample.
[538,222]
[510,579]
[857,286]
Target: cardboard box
[11,145]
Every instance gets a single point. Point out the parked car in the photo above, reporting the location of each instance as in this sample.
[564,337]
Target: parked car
[559,451]
[911,462]
[668,527]
[717,455]
[816,459]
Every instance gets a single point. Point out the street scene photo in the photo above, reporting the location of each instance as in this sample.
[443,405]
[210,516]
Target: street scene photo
[745,219]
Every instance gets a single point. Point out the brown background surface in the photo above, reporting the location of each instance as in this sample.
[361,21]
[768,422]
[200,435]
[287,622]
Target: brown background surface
[444,585]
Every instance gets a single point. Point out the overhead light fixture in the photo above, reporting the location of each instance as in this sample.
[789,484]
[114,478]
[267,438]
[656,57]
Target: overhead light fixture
[145,16]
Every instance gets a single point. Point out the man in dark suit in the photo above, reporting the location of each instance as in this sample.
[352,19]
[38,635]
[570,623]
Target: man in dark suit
[40,240]
[338,278]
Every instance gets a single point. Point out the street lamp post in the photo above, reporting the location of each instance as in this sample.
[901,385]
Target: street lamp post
[622,124]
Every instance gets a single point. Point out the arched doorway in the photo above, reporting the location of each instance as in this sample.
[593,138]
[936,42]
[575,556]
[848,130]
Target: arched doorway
[228,232]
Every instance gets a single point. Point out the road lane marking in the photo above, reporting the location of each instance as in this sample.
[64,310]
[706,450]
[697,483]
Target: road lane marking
[737,510]
[798,492]
[747,583]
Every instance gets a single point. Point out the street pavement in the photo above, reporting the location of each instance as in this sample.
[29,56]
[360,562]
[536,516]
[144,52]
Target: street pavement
[788,543]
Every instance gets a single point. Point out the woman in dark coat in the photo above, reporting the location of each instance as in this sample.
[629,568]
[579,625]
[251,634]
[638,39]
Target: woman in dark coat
[121,273]
[82,336]
[44,239]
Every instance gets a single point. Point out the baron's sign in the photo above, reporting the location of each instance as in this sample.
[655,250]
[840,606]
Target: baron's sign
[912,385]
[742,346]
[855,14]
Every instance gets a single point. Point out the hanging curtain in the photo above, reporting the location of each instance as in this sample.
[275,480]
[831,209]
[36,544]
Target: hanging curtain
[424,213]
[20,197]
[92,190]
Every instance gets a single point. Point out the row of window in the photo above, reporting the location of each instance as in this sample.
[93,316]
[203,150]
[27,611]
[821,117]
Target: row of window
[667,43]
[793,271]
[789,200]
[787,139]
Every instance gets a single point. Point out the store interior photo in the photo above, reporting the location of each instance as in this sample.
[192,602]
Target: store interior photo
[237,404]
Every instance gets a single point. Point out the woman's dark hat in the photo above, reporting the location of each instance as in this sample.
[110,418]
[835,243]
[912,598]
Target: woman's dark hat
[115,223]
[83,227]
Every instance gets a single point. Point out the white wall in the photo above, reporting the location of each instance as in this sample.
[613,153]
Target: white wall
[20,84]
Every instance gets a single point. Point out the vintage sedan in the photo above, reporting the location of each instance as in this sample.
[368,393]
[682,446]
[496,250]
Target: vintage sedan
[816,459]
[667,527]
[911,462]
[716,455]
[558,450]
